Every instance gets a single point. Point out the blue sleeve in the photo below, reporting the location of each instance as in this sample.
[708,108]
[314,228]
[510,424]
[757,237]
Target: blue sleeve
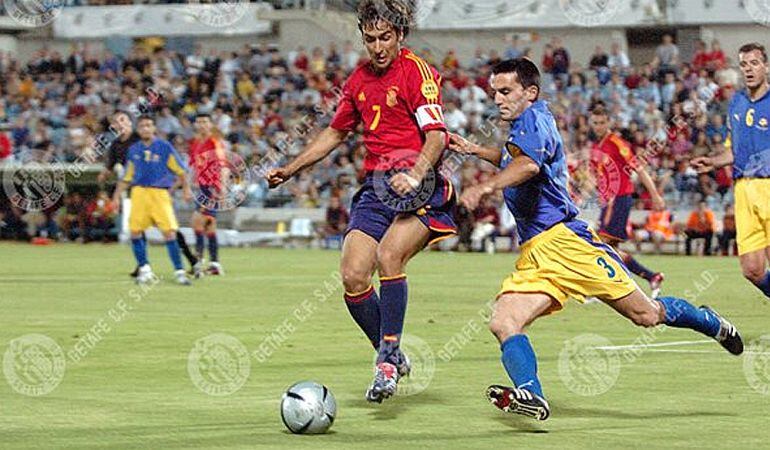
[530,139]
[174,162]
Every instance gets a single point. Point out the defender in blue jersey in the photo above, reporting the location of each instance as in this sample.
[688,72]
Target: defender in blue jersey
[747,148]
[561,256]
[153,167]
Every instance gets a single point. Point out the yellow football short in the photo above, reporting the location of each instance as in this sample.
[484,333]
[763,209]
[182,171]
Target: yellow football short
[562,263]
[752,214]
[151,206]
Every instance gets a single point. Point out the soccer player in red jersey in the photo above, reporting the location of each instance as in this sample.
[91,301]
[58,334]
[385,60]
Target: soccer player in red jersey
[613,160]
[208,161]
[404,204]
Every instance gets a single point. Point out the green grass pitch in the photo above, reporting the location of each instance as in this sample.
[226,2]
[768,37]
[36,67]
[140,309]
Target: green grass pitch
[127,384]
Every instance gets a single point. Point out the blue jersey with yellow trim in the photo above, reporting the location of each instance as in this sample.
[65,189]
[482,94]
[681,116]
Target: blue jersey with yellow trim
[156,165]
[749,137]
[543,201]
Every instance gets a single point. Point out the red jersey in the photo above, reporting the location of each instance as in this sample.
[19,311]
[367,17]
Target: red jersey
[207,158]
[613,160]
[396,108]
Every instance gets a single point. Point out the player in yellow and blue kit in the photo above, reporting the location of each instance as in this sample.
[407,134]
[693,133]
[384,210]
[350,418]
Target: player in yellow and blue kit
[747,148]
[561,256]
[153,167]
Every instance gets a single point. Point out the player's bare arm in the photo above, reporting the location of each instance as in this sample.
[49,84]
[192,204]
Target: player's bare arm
[704,164]
[459,144]
[317,150]
[657,200]
[519,171]
[119,189]
[404,183]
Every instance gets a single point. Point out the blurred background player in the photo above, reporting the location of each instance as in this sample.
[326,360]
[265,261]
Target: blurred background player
[613,160]
[153,167]
[208,161]
[397,97]
[747,148]
[561,257]
[123,136]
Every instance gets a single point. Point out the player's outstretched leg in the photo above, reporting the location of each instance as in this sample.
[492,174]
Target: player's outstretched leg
[512,314]
[679,313]
[176,259]
[200,243]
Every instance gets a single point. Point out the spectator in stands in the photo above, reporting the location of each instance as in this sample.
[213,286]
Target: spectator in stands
[618,59]
[666,56]
[336,218]
[100,218]
[486,221]
[513,51]
[6,149]
[700,225]
[716,58]
[72,217]
[727,235]
[561,59]
[657,229]
[702,56]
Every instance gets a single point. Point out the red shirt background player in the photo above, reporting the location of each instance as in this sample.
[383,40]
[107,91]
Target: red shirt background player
[388,105]
[613,160]
[207,159]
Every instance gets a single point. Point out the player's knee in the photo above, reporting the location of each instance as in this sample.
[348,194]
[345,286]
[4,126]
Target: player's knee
[505,324]
[754,273]
[355,279]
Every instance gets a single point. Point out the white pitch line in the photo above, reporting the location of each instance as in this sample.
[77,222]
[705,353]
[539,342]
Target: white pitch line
[747,352]
[659,344]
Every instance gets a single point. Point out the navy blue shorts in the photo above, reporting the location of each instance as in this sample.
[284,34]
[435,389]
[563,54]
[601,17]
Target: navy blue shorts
[614,218]
[375,206]
[206,200]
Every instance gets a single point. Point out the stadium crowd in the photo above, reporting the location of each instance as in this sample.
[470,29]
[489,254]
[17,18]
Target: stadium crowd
[267,104]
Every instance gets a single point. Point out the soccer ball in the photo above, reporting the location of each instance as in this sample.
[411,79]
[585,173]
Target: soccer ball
[308,408]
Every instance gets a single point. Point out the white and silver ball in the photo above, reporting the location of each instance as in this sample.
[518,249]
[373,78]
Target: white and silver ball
[308,408]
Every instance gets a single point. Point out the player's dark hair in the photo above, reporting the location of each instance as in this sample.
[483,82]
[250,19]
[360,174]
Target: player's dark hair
[526,72]
[146,117]
[203,116]
[399,13]
[750,47]
[600,110]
